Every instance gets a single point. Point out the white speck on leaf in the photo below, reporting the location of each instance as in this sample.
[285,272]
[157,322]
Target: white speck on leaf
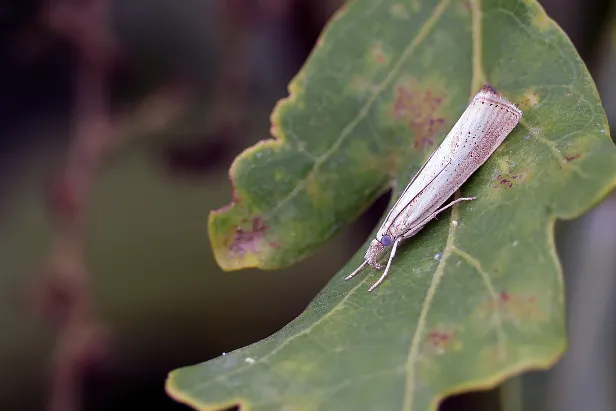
[455,223]
[250,360]
[515,243]
[437,256]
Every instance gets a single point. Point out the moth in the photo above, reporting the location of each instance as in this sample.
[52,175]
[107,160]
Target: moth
[484,125]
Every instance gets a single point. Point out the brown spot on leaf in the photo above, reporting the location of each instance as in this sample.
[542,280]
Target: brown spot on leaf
[514,307]
[503,182]
[418,108]
[248,240]
[524,307]
[572,157]
[441,338]
[529,99]
[378,54]
[507,180]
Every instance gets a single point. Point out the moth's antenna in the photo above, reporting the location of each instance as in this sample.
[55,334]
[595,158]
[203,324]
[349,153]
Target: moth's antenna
[356,271]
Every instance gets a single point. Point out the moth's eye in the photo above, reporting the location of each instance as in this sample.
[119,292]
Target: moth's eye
[386,240]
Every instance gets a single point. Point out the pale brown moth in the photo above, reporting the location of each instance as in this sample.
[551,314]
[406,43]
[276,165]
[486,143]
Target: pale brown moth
[483,126]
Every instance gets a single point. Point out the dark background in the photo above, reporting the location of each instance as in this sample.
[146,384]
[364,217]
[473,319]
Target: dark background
[118,122]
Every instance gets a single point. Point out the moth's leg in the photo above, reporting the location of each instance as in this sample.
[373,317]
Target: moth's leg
[413,230]
[391,257]
[430,217]
[348,277]
[408,234]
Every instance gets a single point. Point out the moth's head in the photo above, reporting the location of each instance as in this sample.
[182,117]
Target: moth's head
[376,249]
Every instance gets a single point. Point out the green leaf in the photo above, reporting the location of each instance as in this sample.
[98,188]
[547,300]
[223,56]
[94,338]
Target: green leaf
[477,295]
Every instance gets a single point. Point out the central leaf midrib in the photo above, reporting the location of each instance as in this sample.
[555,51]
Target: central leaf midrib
[478,78]
[421,321]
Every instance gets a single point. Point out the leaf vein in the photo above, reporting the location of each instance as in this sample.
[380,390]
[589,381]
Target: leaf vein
[548,143]
[476,264]
[478,75]
[330,391]
[348,129]
[421,321]
[339,305]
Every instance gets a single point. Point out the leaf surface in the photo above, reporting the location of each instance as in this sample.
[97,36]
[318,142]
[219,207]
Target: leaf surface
[477,295]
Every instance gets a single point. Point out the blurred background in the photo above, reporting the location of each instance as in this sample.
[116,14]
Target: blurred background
[118,123]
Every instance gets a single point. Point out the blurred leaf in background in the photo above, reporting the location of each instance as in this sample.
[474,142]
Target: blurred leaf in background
[155,284]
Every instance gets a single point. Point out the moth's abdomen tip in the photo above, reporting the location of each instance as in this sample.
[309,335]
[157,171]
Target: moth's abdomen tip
[488,94]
